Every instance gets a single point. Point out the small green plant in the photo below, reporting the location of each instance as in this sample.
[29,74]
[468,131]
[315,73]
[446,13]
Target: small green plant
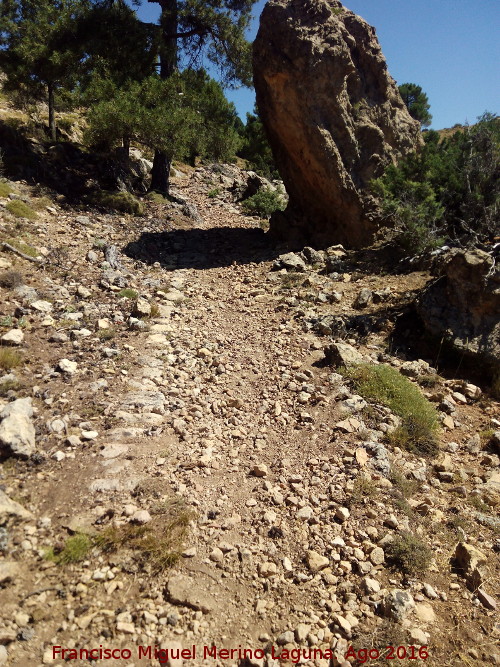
[10,279]
[263,203]
[128,293]
[386,634]
[9,359]
[75,550]
[409,554]
[363,488]
[159,545]
[407,487]
[403,506]
[477,503]
[124,202]
[6,321]
[106,334]
[5,189]
[383,384]
[291,280]
[430,380]
[416,435]
[155,310]
[41,203]
[156,197]
[215,192]
[19,209]
[8,386]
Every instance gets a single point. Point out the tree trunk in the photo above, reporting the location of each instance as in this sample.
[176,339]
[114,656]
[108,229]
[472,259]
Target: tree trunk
[160,174]
[126,146]
[52,114]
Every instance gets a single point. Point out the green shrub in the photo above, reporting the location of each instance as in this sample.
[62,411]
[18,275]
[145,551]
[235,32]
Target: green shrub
[9,385]
[159,546]
[10,279]
[128,293]
[9,359]
[106,334]
[263,203]
[363,488]
[124,202]
[419,419]
[449,188]
[75,550]
[41,203]
[21,210]
[408,554]
[213,193]
[5,189]
[156,197]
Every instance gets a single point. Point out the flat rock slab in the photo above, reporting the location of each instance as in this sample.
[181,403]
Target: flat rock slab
[102,485]
[185,591]
[152,400]
[113,450]
[126,433]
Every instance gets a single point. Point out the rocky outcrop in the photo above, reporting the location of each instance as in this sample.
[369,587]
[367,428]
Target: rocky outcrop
[333,115]
[463,305]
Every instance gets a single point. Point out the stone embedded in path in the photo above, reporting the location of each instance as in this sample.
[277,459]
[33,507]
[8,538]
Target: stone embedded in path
[9,571]
[183,590]
[342,354]
[398,604]
[172,648]
[316,562]
[364,298]
[260,470]
[102,485]
[113,450]
[425,613]
[67,366]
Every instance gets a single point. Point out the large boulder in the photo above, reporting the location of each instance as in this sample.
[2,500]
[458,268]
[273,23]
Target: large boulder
[333,115]
[463,305]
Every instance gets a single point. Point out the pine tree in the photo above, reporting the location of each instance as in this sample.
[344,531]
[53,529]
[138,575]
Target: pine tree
[184,115]
[39,47]
[118,45]
[194,29]
[417,102]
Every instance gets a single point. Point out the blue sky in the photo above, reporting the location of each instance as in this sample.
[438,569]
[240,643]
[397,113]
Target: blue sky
[448,47]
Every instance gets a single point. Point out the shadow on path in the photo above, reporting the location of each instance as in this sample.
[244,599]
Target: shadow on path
[202,248]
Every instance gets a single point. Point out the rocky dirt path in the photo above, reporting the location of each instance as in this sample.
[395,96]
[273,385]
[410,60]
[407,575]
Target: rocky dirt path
[200,417]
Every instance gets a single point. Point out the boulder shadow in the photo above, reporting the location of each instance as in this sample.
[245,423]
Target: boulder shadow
[203,248]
